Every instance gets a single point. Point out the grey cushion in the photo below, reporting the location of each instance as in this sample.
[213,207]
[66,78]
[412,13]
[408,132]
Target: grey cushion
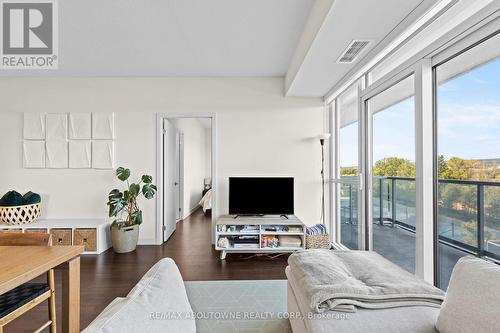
[408,319]
[472,303]
[151,306]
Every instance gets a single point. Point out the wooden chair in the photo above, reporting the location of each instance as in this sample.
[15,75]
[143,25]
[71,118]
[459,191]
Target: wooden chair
[20,300]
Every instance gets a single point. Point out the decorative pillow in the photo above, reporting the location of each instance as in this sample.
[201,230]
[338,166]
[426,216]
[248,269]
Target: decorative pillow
[472,301]
[12,198]
[31,198]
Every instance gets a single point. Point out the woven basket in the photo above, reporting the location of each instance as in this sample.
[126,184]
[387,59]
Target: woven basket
[317,241]
[20,214]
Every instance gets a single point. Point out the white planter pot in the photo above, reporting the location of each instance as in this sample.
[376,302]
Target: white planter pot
[125,239]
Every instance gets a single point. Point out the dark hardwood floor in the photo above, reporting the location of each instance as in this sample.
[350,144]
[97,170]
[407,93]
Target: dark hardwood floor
[112,275]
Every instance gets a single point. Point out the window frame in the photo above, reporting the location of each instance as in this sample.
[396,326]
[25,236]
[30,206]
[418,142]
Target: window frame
[476,38]
[335,180]
[426,154]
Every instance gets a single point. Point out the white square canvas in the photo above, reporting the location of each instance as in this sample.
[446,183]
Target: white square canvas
[103,125]
[34,126]
[103,154]
[56,154]
[56,126]
[34,154]
[80,154]
[80,126]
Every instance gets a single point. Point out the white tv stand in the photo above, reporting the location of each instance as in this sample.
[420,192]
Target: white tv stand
[226,222]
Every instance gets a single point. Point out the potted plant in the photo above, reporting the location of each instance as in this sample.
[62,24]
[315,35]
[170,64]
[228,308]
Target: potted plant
[123,206]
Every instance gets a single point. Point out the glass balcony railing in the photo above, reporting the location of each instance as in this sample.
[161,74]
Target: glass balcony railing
[468,220]
[349,226]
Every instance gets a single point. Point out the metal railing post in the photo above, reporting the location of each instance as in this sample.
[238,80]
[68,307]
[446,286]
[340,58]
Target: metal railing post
[480,220]
[381,200]
[393,200]
[350,204]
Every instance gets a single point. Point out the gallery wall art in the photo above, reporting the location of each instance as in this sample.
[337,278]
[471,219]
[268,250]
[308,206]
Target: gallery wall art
[80,140]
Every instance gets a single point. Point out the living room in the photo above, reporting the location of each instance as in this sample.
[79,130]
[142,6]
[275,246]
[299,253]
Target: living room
[312,126]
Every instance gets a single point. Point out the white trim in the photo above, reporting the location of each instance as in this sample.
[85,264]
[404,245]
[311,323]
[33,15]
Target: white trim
[362,221]
[159,167]
[424,163]
[332,161]
[491,26]
[390,80]
[366,174]
[181,174]
[147,241]
[339,246]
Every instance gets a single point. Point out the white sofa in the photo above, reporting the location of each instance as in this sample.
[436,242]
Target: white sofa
[472,305]
[157,304]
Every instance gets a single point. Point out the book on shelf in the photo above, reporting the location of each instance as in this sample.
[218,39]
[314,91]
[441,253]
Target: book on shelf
[246,239]
[250,228]
[246,245]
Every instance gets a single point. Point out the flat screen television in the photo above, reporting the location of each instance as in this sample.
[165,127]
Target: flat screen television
[261,196]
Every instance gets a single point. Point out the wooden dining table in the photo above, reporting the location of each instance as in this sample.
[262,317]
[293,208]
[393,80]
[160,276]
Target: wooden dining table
[20,264]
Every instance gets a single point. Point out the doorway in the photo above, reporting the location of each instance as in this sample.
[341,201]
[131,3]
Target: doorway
[186,170]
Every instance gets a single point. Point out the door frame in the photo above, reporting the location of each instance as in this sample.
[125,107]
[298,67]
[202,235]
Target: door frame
[179,146]
[159,167]
[366,138]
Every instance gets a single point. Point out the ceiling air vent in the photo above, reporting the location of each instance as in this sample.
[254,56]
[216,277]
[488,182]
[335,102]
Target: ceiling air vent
[352,51]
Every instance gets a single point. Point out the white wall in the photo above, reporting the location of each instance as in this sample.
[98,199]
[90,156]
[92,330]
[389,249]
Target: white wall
[196,161]
[260,133]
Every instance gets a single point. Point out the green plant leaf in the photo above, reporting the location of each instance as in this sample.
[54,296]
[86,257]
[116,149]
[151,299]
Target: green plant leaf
[137,216]
[134,189]
[126,196]
[147,179]
[122,173]
[149,190]
[115,208]
[115,202]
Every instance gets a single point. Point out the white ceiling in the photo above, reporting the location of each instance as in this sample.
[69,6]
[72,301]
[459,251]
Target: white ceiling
[177,37]
[299,39]
[376,20]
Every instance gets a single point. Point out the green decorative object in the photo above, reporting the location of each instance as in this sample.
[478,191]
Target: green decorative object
[31,198]
[123,206]
[12,198]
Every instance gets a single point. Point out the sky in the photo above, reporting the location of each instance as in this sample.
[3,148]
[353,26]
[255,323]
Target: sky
[468,121]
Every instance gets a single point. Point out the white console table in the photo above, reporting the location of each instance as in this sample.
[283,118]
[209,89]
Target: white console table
[261,223]
[94,234]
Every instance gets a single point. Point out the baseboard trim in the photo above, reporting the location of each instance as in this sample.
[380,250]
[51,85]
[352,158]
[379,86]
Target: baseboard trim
[147,241]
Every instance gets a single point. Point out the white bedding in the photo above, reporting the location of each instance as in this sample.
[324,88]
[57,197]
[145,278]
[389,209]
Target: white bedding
[206,201]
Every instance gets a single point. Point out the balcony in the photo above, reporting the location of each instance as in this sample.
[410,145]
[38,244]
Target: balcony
[468,221]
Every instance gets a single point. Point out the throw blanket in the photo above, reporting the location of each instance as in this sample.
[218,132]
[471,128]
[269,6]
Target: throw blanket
[342,280]
[206,201]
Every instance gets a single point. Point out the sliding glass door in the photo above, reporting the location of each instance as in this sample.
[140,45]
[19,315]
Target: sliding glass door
[347,174]
[468,138]
[392,172]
